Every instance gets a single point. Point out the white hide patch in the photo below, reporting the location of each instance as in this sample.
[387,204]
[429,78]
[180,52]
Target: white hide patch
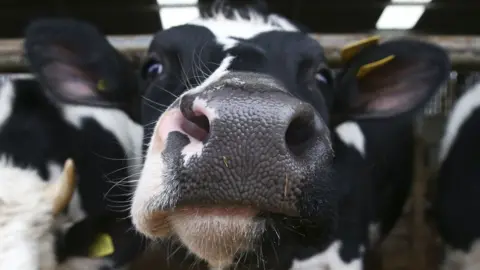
[459,260]
[126,131]
[461,111]
[222,26]
[25,220]
[327,260]
[351,134]
[6,98]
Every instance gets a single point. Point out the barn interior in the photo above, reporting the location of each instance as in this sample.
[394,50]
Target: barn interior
[436,17]
[453,24]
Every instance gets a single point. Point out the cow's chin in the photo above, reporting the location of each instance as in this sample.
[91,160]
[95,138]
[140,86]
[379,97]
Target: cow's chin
[216,238]
[216,235]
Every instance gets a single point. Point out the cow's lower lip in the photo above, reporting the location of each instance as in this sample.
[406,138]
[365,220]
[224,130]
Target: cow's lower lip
[216,234]
[217,211]
[157,223]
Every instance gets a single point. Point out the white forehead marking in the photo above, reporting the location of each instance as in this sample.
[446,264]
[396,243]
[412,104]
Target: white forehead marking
[351,134]
[461,111]
[216,75]
[237,26]
[6,98]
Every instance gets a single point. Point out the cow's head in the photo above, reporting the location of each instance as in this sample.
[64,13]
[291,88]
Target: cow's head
[82,108]
[93,89]
[28,208]
[237,127]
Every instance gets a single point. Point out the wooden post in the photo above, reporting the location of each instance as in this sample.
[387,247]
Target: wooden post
[418,225]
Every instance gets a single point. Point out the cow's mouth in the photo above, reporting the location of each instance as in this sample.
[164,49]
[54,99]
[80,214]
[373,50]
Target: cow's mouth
[215,234]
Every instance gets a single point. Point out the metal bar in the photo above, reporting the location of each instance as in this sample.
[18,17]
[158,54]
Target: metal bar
[463,50]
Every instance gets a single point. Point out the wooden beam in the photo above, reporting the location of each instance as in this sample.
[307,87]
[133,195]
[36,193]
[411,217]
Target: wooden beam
[463,50]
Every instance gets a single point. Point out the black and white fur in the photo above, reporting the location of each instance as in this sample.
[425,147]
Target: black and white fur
[361,164]
[458,189]
[47,118]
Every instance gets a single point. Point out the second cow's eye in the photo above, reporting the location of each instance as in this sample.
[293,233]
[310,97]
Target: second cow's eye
[155,69]
[323,75]
[152,69]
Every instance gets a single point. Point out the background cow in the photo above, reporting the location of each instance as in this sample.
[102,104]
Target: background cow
[458,188]
[257,159]
[80,105]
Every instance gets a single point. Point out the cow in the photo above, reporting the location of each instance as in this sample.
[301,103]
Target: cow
[70,139]
[457,190]
[256,156]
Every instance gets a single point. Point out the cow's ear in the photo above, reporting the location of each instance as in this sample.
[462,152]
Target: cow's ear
[77,64]
[390,79]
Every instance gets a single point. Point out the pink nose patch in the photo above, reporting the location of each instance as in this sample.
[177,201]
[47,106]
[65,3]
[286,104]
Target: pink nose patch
[173,120]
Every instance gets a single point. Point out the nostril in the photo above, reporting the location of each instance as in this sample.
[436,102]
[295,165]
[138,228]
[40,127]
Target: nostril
[300,133]
[195,122]
[196,126]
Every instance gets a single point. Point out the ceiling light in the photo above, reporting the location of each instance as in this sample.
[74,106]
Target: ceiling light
[400,16]
[173,16]
[177,2]
[408,1]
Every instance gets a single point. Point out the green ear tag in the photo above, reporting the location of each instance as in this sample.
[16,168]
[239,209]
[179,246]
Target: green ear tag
[352,49]
[365,69]
[102,246]
[101,85]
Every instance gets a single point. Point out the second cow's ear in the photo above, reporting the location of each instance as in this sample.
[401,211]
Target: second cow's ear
[391,79]
[78,65]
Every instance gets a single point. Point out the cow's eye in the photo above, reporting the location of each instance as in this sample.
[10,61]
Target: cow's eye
[323,75]
[156,68]
[152,69]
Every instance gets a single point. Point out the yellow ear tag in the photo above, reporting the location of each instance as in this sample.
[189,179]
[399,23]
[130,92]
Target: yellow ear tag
[101,85]
[350,50]
[365,69]
[102,246]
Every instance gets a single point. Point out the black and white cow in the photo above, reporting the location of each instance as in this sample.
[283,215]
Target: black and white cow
[256,158]
[458,190]
[80,105]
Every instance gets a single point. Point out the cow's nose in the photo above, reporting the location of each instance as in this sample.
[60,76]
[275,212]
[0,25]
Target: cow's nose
[256,145]
[276,117]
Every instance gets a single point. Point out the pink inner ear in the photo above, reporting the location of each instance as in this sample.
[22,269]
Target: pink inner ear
[399,101]
[76,89]
[397,87]
[68,81]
